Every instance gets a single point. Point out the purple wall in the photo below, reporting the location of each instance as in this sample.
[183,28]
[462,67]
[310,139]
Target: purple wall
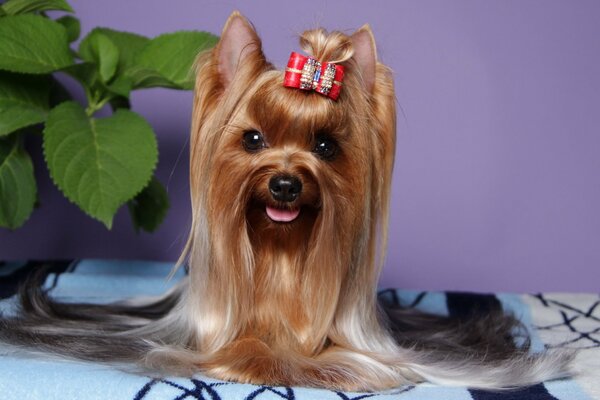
[497,179]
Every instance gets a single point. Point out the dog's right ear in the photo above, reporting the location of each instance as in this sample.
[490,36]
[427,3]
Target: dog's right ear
[239,45]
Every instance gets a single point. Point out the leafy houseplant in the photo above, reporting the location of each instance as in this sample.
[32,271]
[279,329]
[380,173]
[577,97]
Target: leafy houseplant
[99,164]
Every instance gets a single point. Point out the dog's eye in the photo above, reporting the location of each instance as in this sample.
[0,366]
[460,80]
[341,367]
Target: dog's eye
[325,147]
[253,141]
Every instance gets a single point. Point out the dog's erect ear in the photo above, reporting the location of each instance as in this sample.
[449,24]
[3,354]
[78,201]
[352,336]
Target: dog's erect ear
[238,42]
[365,55]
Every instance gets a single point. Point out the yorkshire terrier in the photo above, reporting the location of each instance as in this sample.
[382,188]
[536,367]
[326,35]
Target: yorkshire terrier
[290,186]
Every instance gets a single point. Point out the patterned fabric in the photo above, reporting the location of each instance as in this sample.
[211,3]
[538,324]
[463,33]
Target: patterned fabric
[555,320]
[566,320]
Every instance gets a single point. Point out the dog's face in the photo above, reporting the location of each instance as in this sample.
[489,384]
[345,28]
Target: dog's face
[287,160]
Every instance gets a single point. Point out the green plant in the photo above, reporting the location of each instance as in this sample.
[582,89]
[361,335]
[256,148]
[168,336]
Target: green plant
[99,164]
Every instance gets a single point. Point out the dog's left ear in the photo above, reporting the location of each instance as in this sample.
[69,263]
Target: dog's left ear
[365,55]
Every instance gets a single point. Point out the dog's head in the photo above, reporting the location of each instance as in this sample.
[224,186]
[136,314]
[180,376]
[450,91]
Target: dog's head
[277,171]
[276,159]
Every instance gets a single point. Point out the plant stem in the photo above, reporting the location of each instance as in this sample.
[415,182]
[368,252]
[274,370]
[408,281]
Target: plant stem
[95,106]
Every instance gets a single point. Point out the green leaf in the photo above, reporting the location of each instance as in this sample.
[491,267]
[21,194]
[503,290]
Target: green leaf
[14,7]
[17,183]
[172,55]
[149,208]
[23,101]
[84,72]
[99,49]
[72,26]
[129,45]
[33,44]
[99,164]
[121,86]
[146,78]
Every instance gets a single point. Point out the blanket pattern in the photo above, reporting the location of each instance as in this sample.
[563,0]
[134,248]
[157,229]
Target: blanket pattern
[553,320]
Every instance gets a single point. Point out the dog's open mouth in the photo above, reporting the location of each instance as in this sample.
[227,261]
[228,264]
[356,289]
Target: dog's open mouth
[282,214]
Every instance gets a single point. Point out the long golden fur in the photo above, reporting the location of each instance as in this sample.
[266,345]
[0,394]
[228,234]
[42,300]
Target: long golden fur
[280,292]
[287,303]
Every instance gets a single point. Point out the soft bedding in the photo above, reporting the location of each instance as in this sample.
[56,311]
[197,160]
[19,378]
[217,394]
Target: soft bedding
[556,320]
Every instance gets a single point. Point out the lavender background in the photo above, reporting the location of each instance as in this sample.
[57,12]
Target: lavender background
[497,179]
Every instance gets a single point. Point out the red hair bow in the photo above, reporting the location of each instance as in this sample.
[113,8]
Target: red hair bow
[306,73]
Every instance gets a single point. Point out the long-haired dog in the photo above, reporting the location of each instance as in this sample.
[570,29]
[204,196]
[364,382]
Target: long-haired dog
[290,196]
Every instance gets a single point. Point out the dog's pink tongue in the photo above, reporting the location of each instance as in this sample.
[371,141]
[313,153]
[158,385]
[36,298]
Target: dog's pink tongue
[282,215]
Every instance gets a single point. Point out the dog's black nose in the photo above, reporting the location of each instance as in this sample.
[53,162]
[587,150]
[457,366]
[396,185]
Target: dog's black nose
[285,187]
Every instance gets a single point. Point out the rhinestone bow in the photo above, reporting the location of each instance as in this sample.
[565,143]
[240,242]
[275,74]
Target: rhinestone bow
[306,73]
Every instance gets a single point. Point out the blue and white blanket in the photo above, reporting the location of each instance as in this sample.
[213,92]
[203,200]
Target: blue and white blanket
[554,320]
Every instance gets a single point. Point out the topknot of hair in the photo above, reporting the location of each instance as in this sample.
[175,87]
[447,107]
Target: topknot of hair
[333,47]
